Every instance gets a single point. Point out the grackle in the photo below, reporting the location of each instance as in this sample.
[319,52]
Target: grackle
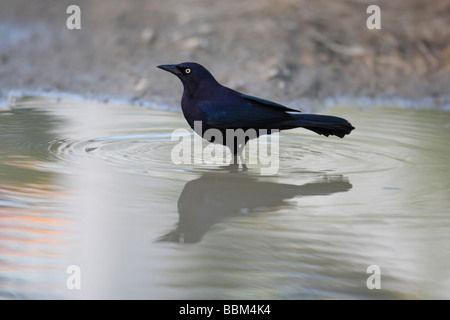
[218,107]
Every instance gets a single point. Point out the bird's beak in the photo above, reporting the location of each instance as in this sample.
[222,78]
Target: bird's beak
[172,68]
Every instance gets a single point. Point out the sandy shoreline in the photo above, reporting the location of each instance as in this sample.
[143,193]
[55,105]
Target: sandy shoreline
[292,52]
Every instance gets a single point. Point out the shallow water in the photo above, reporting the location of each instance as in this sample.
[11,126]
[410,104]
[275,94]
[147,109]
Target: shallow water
[93,185]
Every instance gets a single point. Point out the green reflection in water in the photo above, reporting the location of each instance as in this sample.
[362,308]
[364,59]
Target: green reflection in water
[26,134]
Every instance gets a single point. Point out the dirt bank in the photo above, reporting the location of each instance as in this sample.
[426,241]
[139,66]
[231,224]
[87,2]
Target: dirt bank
[283,50]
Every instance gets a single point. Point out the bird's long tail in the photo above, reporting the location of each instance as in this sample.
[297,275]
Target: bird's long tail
[321,124]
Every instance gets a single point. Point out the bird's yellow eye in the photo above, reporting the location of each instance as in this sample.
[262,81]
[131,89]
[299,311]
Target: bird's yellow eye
[187,71]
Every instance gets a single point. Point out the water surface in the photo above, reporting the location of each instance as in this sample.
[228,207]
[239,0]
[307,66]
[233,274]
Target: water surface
[93,185]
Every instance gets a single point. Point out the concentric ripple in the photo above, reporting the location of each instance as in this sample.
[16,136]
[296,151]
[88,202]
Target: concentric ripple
[144,144]
[131,152]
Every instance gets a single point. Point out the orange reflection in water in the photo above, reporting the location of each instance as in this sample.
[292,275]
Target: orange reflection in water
[35,240]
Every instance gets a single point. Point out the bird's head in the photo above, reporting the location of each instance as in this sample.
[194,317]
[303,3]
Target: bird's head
[191,74]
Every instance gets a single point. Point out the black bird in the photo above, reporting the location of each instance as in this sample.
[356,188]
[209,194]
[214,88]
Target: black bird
[218,107]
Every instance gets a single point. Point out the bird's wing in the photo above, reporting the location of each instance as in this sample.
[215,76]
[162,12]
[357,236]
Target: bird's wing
[246,112]
[267,103]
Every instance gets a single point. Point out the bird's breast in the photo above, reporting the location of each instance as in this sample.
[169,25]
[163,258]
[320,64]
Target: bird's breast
[191,113]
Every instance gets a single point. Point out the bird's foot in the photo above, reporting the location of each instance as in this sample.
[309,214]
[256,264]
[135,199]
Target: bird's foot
[235,163]
[232,167]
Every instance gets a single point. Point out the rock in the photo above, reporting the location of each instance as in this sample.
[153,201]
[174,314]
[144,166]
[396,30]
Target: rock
[236,84]
[193,43]
[270,74]
[184,17]
[141,85]
[281,84]
[148,35]
[204,29]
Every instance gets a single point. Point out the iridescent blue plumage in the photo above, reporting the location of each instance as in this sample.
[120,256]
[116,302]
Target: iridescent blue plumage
[216,106]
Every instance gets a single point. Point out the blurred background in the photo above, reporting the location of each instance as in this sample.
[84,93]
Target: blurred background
[288,49]
[87,179]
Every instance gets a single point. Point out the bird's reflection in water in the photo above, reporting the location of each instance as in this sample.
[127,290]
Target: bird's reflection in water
[215,196]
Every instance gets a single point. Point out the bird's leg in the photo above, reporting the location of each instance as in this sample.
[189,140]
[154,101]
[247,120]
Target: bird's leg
[238,155]
[234,164]
[236,150]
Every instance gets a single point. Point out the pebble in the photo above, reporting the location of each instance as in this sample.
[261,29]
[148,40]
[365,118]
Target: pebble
[148,35]
[270,74]
[193,43]
[141,85]
[204,29]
